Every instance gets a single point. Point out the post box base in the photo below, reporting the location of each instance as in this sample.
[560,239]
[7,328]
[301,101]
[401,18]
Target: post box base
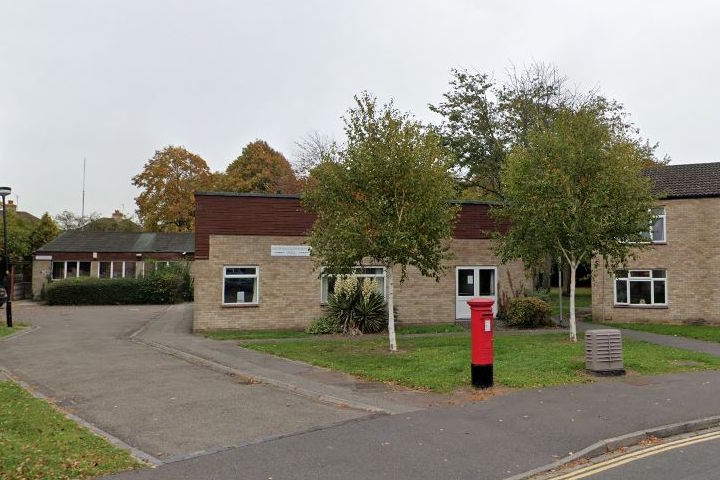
[482,375]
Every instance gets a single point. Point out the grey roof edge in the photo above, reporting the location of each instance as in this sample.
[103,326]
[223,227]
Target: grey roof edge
[74,241]
[298,197]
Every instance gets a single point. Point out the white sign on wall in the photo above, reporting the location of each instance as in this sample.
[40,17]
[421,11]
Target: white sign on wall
[43,257]
[289,251]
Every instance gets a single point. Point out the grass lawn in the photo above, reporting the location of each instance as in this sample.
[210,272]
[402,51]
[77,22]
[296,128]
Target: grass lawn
[442,363]
[583,299]
[699,332]
[270,334]
[5,331]
[38,442]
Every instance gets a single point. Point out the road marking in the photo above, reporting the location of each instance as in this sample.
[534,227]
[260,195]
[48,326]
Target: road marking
[631,457]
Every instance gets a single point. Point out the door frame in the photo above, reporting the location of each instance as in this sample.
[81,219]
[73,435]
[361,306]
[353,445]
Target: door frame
[476,280]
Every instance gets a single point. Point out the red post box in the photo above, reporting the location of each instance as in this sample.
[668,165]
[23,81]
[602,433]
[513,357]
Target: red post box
[481,326]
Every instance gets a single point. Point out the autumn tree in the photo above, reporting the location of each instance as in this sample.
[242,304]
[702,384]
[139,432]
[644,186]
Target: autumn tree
[44,231]
[384,198]
[168,182]
[259,168]
[575,191]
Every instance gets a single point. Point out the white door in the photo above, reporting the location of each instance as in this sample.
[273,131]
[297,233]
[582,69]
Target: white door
[474,282]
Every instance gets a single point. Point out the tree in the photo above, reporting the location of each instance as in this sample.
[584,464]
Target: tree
[18,240]
[385,198]
[112,225]
[312,150]
[483,120]
[43,232]
[67,220]
[576,191]
[168,183]
[260,168]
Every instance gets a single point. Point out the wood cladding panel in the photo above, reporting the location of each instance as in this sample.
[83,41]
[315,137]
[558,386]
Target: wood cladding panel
[285,216]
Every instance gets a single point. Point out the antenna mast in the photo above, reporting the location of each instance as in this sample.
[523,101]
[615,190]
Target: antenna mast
[82,211]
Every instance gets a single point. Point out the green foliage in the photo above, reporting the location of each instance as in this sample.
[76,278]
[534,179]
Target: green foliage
[324,325]
[112,225]
[19,231]
[528,312]
[484,120]
[43,232]
[384,196]
[356,307]
[173,284]
[259,168]
[38,442]
[576,191]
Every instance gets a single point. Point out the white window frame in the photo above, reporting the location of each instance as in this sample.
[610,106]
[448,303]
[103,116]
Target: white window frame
[663,216]
[324,280]
[112,268]
[65,268]
[256,276]
[651,280]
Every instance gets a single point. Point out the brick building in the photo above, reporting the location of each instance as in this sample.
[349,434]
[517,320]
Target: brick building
[253,270]
[78,253]
[672,281]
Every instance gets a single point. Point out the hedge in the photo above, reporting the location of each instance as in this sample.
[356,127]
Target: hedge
[168,285]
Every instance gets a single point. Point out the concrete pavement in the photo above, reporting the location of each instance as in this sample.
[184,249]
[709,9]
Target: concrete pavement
[494,439]
[170,409]
[129,376]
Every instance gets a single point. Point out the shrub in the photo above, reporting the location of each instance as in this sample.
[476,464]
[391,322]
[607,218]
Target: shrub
[528,312]
[357,307]
[167,285]
[323,326]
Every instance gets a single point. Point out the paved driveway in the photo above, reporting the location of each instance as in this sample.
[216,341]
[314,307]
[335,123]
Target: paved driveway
[164,406]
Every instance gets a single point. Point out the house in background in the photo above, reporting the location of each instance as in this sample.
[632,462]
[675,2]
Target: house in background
[674,280]
[253,270]
[79,253]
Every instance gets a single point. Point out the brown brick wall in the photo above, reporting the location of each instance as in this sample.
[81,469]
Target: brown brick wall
[691,257]
[289,290]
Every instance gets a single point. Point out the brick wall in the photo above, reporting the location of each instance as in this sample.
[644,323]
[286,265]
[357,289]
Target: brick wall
[691,257]
[289,288]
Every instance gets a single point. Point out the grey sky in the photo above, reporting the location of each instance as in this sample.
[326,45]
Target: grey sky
[114,81]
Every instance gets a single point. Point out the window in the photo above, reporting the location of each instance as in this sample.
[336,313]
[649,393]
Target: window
[656,234]
[116,269]
[240,285]
[70,269]
[641,287]
[58,270]
[362,273]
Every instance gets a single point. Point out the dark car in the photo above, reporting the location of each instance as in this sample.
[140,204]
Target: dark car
[3,296]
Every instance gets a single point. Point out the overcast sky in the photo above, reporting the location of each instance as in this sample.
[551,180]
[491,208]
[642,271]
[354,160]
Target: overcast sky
[112,81]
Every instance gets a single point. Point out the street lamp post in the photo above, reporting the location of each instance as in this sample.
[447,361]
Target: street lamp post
[4,192]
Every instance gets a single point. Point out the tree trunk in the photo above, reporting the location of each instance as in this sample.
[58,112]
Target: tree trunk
[573,326]
[391,307]
[566,275]
[547,273]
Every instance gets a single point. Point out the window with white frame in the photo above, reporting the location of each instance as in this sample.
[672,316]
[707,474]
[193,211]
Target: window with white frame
[656,234]
[116,269]
[164,264]
[641,287]
[70,269]
[240,285]
[362,273]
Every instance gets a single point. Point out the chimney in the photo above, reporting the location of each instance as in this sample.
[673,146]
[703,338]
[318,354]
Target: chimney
[11,206]
[117,215]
